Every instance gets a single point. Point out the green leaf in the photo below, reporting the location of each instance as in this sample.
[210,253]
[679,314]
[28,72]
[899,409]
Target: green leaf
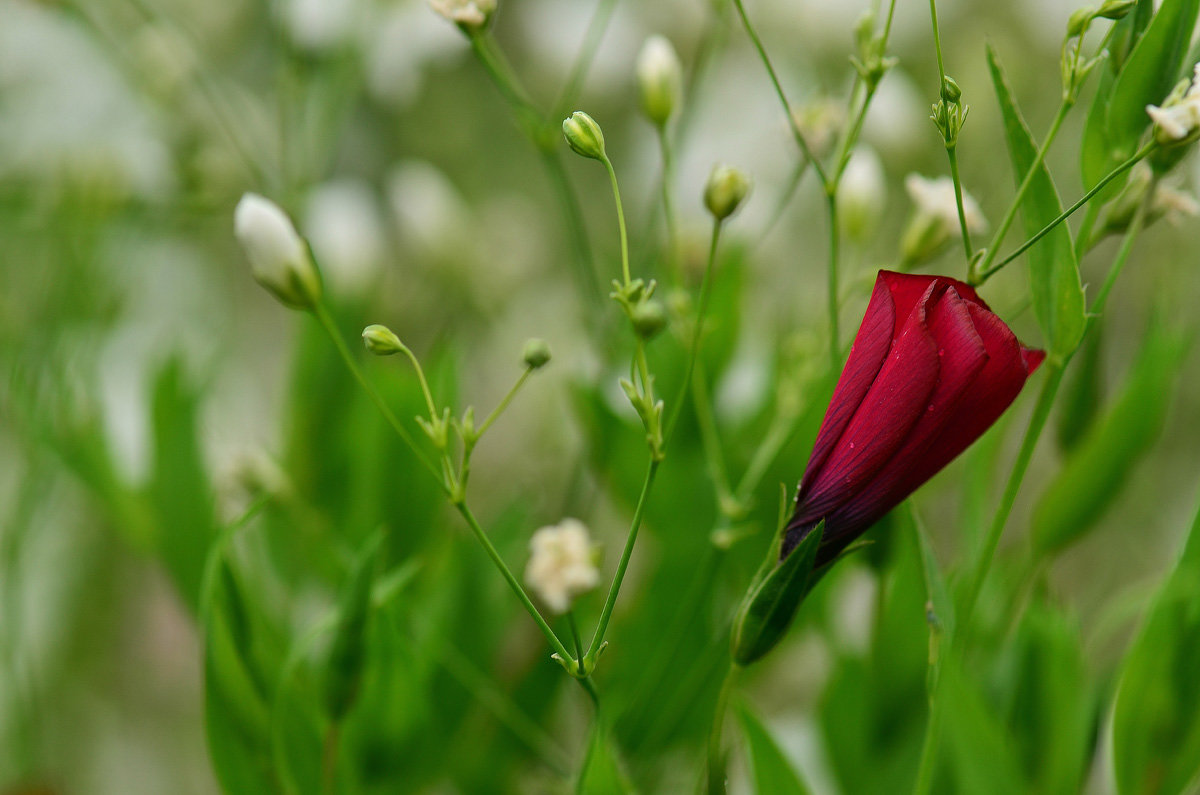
[981,750]
[772,771]
[1057,294]
[601,773]
[1147,77]
[769,607]
[347,655]
[1156,737]
[1082,390]
[1094,473]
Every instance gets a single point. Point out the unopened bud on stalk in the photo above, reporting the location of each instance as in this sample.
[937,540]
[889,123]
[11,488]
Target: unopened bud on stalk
[659,78]
[381,340]
[536,353]
[584,135]
[1116,9]
[1079,21]
[280,260]
[726,189]
[950,90]
[649,318]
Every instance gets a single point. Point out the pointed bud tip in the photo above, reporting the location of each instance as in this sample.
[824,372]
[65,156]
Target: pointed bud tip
[381,340]
[584,135]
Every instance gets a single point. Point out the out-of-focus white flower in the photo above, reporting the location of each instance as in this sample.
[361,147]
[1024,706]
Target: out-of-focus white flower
[1179,115]
[935,197]
[862,193]
[470,15]
[562,564]
[725,191]
[1174,204]
[317,25]
[279,257]
[819,122]
[428,209]
[344,227]
[402,43]
[659,78]
[935,220]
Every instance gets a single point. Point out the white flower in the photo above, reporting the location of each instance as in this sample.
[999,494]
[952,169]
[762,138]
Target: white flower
[562,564]
[659,78]
[934,198]
[1179,116]
[469,14]
[279,257]
[345,228]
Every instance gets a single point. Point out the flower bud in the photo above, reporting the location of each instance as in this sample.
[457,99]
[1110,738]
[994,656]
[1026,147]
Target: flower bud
[726,189]
[279,258]
[659,78]
[1077,25]
[381,340]
[471,16]
[950,90]
[536,353]
[861,193]
[649,318]
[584,135]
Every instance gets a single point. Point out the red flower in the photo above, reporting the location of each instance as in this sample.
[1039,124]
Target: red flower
[932,367]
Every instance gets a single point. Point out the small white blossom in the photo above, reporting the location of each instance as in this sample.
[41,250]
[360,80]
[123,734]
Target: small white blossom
[561,564]
[468,14]
[279,257]
[1179,116]
[659,78]
[862,192]
[934,198]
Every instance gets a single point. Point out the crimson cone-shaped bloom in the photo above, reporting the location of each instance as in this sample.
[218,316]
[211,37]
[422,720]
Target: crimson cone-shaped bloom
[932,367]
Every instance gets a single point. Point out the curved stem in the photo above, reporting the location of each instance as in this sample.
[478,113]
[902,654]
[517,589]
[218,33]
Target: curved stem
[622,565]
[715,766]
[321,313]
[787,108]
[583,61]
[664,146]
[503,404]
[834,235]
[951,153]
[526,602]
[616,191]
[697,331]
[1011,214]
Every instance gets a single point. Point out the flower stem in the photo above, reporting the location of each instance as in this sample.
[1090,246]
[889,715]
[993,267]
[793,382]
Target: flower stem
[616,191]
[503,404]
[787,108]
[952,154]
[321,312]
[664,146]
[697,331]
[583,61]
[1010,215]
[512,581]
[622,565]
[983,275]
[835,356]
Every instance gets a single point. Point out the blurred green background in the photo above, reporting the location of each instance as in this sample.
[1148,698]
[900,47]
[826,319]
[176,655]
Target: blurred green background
[152,393]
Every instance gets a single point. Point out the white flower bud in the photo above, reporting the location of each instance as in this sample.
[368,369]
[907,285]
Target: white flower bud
[725,190]
[562,564]
[279,258]
[584,135]
[935,220]
[659,78]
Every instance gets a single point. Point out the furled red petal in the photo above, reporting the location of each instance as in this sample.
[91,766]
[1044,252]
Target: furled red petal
[867,354]
[906,288]
[893,404]
[964,357]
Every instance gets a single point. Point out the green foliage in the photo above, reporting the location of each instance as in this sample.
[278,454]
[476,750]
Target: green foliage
[772,771]
[1095,471]
[1054,286]
[1156,738]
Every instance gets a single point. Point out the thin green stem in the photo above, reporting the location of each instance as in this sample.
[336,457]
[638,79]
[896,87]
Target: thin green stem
[616,191]
[1010,215]
[575,636]
[778,433]
[697,330]
[503,405]
[787,108]
[1037,422]
[951,153]
[1135,227]
[937,45]
[321,313]
[514,93]
[512,581]
[984,275]
[664,147]
[929,747]
[420,371]
[835,356]
[622,565]
[585,266]
[715,765]
[783,200]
